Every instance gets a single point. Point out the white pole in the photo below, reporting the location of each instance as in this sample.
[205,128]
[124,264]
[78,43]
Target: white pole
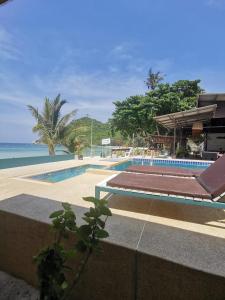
[91,134]
[174,139]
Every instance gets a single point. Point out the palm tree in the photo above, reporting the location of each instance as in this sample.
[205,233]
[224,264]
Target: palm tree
[75,139]
[50,125]
[153,79]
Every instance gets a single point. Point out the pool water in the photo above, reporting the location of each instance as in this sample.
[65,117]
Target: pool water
[57,176]
[61,175]
[162,163]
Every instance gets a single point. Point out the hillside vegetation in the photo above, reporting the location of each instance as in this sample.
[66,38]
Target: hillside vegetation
[99,131]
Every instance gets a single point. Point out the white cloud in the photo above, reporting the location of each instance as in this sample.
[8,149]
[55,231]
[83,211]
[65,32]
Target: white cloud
[91,93]
[16,90]
[8,49]
[122,52]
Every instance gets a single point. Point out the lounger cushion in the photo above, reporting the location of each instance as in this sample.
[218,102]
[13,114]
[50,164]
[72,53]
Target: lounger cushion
[213,178]
[160,184]
[164,171]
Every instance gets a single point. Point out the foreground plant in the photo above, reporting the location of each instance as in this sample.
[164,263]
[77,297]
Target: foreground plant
[52,261]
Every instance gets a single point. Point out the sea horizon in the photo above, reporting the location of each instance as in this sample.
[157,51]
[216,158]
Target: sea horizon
[15,150]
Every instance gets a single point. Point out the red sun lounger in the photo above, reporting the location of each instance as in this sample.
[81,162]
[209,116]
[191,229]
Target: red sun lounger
[171,171]
[207,189]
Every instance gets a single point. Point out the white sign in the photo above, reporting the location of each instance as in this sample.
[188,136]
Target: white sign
[106,141]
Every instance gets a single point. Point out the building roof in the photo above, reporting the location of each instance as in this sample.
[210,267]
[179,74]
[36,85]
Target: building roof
[186,118]
[211,97]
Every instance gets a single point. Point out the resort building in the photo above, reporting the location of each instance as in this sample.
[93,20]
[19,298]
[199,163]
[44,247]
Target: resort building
[206,120]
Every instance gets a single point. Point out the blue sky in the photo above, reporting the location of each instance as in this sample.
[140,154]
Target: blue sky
[94,52]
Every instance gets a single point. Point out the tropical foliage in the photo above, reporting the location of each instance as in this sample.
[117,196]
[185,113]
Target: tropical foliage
[153,79]
[52,262]
[75,138]
[134,115]
[81,129]
[133,118]
[51,125]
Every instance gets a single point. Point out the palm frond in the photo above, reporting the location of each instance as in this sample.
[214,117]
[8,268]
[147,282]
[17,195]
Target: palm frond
[52,128]
[47,112]
[34,111]
[56,104]
[66,118]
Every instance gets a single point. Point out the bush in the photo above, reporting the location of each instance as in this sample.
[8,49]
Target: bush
[181,152]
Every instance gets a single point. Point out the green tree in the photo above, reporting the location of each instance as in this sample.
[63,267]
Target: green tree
[75,138]
[50,125]
[134,116]
[153,79]
[128,116]
[99,130]
[82,128]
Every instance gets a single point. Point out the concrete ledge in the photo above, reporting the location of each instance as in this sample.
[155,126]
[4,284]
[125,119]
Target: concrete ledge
[6,163]
[102,171]
[140,260]
[194,250]
[24,230]
[162,279]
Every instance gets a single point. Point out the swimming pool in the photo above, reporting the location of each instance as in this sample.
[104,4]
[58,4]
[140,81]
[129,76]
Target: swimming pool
[60,175]
[185,164]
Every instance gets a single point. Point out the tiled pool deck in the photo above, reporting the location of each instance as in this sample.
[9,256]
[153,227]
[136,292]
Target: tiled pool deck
[158,249]
[197,219]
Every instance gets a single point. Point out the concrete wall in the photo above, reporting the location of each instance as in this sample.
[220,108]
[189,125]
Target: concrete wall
[139,260]
[26,161]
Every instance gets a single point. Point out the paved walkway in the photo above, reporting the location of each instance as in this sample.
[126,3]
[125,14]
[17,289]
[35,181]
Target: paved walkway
[197,219]
[12,182]
[15,289]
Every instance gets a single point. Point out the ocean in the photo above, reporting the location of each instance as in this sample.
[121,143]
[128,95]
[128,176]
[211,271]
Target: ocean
[11,150]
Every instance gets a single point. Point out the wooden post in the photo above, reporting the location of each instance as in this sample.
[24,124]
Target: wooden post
[174,139]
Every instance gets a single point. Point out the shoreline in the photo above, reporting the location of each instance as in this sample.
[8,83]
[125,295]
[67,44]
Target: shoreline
[25,150]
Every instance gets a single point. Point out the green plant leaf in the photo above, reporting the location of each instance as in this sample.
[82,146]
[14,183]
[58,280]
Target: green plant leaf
[90,221]
[64,285]
[71,225]
[85,230]
[52,262]
[66,206]
[102,202]
[56,214]
[90,199]
[56,223]
[105,211]
[81,246]
[93,213]
[101,234]
[71,253]
[100,222]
